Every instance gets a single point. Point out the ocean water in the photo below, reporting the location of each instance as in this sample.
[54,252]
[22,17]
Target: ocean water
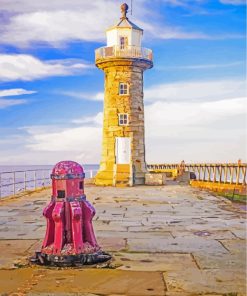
[14,179]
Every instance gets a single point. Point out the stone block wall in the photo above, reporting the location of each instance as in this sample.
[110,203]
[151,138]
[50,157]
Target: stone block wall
[127,71]
[155,179]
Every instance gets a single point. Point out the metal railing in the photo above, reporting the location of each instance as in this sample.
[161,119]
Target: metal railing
[15,182]
[227,173]
[126,52]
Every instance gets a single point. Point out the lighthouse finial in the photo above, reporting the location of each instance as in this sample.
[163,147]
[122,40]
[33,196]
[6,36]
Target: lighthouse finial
[124,10]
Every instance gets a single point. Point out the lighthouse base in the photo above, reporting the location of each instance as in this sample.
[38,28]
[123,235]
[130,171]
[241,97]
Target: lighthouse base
[119,175]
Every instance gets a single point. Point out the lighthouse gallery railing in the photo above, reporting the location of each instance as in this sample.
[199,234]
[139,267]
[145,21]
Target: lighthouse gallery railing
[126,52]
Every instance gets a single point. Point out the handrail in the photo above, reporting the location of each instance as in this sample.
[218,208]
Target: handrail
[227,173]
[126,52]
[22,180]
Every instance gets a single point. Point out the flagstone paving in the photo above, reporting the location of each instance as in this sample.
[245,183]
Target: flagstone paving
[170,240]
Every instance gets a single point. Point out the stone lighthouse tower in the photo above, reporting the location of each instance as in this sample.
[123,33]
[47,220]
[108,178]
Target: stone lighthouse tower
[123,61]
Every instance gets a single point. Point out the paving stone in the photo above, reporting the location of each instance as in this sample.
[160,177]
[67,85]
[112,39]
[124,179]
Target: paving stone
[21,231]
[182,245]
[205,281]
[217,234]
[239,233]
[235,246]
[12,280]
[14,251]
[101,281]
[234,262]
[128,234]
[153,262]
[158,223]
[112,243]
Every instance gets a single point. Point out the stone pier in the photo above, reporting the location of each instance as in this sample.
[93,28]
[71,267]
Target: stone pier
[168,240]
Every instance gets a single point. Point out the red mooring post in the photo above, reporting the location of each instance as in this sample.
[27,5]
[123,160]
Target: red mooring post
[69,238]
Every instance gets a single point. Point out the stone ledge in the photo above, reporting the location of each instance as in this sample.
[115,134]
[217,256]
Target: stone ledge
[154,179]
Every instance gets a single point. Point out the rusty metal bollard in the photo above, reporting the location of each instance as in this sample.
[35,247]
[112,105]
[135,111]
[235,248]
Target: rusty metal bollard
[69,238]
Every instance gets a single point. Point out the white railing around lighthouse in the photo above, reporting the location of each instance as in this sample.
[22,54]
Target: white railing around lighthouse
[126,52]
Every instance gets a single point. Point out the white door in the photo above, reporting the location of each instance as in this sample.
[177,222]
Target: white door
[122,146]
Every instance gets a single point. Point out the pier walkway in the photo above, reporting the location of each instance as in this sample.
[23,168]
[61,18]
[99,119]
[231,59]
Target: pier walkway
[171,240]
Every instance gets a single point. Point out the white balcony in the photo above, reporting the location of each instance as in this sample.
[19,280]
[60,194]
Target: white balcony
[126,52]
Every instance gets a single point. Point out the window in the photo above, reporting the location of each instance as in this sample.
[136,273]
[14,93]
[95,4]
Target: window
[61,194]
[123,89]
[123,42]
[81,185]
[123,119]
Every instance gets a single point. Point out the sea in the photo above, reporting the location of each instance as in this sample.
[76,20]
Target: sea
[17,178]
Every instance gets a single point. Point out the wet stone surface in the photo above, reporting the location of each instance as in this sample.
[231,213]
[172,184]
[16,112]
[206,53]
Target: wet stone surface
[167,240]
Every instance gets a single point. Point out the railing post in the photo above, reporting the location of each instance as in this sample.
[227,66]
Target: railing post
[214,174]
[0,185]
[204,173]
[231,174]
[238,174]
[209,173]
[220,173]
[35,185]
[25,181]
[13,183]
[244,175]
[91,174]
[225,173]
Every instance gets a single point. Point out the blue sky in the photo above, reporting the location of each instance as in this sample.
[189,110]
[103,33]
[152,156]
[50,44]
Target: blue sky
[51,94]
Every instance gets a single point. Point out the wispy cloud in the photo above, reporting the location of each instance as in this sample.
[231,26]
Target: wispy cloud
[180,91]
[203,66]
[178,33]
[15,92]
[194,131]
[27,67]
[84,95]
[189,3]
[196,91]
[90,120]
[194,121]
[4,103]
[233,2]
[47,22]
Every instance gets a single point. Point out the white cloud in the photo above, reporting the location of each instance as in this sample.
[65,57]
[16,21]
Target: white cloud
[27,67]
[189,3]
[80,143]
[211,128]
[4,103]
[15,92]
[202,66]
[233,2]
[196,91]
[196,131]
[62,21]
[57,22]
[90,120]
[84,96]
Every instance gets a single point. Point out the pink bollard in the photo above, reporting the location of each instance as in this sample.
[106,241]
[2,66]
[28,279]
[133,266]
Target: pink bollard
[69,238]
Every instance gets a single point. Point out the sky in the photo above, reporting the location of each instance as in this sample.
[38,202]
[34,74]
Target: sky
[51,93]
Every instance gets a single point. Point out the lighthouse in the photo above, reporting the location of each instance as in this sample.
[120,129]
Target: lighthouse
[123,61]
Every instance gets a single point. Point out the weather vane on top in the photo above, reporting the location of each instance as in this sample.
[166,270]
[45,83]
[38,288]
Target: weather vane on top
[124,10]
